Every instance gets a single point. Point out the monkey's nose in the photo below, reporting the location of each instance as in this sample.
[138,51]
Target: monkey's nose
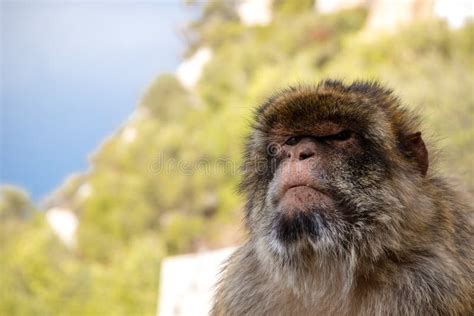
[305,154]
[301,152]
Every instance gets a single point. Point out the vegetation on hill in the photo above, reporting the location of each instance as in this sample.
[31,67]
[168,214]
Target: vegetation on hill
[170,188]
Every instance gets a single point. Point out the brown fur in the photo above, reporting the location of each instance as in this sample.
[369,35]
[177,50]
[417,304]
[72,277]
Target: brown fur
[401,242]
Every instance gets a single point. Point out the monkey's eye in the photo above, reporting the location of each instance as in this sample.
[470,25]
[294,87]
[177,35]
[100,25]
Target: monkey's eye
[339,137]
[292,140]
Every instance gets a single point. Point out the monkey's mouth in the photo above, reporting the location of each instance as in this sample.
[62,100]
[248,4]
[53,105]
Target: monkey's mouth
[302,187]
[296,184]
[302,210]
[303,198]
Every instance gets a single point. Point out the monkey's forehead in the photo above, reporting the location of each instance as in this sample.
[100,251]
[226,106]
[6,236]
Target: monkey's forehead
[360,106]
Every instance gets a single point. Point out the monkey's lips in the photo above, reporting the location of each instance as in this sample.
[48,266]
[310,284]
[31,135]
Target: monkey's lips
[303,198]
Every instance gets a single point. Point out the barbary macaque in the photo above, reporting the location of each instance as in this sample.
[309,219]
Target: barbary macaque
[347,217]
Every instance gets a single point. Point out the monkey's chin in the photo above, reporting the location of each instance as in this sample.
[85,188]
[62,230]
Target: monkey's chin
[301,212]
[289,228]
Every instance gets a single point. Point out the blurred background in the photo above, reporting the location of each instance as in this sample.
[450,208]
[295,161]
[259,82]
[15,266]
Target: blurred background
[122,124]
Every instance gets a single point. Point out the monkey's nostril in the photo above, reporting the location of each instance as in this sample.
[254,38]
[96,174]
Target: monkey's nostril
[306,154]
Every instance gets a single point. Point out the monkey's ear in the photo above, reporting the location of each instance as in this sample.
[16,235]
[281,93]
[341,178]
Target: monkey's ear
[416,149]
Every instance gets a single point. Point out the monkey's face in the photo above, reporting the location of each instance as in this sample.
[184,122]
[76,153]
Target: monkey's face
[303,190]
[315,176]
[318,171]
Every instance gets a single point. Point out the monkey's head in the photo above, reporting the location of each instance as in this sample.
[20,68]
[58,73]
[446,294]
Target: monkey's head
[333,169]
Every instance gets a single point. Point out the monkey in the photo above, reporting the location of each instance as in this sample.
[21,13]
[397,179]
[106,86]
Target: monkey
[345,215]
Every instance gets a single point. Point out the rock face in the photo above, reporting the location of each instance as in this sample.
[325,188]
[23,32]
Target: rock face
[129,134]
[331,6]
[255,12]
[455,12]
[187,283]
[64,224]
[388,15]
[190,70]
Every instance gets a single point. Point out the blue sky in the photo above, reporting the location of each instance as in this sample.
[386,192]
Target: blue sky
[71,73]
